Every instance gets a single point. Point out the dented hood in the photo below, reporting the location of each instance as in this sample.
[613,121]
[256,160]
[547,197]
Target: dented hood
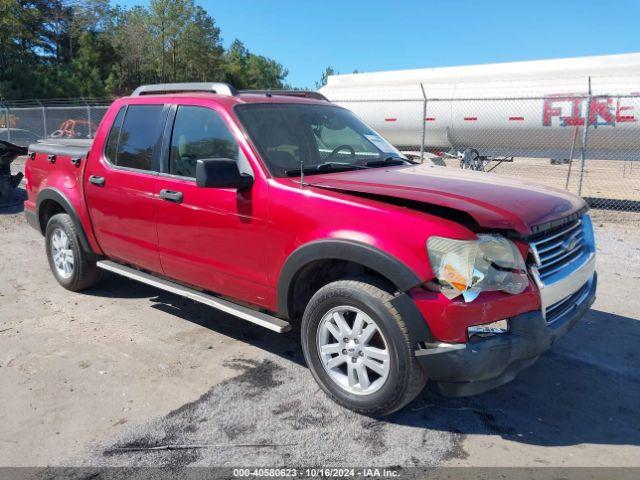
[492,200]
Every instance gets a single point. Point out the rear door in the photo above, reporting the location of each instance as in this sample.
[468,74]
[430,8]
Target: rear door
[121,186]
[210,237]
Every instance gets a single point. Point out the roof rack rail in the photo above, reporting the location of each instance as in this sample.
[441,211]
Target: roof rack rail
[164,88]
[289,93]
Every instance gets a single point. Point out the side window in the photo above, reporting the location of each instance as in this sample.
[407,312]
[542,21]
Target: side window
[112,139]
[198,132]
[140,134]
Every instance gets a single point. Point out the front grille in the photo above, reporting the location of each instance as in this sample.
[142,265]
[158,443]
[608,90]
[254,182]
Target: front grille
[556,249]
[561,260]
[567,304]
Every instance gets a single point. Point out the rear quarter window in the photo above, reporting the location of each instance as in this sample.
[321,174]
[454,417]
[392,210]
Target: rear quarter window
[112,140]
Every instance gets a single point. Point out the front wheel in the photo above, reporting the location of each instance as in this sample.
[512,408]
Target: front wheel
[357,347]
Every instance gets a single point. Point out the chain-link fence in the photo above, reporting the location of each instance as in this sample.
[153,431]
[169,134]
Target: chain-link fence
[545,138]
[26,121]
[542,138]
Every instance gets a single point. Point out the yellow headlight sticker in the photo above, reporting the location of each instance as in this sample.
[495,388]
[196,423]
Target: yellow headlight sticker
[455,270]
[452,276]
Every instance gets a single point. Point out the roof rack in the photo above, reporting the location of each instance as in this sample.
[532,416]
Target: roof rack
[220,89]
[289,93]
[164,88]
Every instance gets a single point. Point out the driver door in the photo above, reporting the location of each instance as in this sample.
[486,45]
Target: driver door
[213,238]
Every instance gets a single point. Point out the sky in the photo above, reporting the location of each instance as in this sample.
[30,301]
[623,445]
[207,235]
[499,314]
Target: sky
[307,36]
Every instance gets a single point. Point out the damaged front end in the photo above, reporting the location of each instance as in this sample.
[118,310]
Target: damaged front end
[470,267]
[487,337]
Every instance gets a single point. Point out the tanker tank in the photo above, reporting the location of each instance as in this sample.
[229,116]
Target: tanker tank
[521,109]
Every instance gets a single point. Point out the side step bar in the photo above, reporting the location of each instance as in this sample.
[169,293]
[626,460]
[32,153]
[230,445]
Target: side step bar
[253,316]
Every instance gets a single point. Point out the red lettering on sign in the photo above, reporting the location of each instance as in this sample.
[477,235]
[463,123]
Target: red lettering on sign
[549,111]
[576,113]
[623,118]
[601,111]
[600,108]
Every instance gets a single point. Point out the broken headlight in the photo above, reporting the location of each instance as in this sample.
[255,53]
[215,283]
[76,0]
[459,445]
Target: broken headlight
[468,267]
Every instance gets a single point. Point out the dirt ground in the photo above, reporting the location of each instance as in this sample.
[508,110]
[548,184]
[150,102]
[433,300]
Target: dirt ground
[84,375]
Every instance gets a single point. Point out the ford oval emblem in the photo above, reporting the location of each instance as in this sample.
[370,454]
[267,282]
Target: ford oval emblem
[570,243]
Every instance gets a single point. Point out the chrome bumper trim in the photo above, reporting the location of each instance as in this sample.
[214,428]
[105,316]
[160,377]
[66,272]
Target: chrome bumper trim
[551,293]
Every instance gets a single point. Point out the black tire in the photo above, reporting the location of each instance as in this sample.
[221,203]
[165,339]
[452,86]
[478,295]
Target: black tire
[85,273]
[406,378]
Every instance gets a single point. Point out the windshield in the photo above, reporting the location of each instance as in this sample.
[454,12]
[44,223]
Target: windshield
[315,138]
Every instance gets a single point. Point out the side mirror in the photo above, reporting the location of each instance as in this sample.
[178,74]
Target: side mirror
[221,173]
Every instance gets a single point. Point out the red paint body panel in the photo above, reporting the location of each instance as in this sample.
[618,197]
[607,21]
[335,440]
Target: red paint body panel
[303,215]
[236,243]
[123,211]
[216,237]
[493,201]
[123,214]
[449,319]
[65,178]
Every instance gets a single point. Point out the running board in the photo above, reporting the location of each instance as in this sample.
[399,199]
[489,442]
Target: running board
[253,316]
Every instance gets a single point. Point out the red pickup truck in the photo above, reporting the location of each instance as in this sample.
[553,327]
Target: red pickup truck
[280,208]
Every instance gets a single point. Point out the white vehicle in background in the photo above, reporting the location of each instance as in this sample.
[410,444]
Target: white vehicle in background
[521,109]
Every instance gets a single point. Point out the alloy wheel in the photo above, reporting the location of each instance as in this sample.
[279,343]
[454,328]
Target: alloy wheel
[353,350]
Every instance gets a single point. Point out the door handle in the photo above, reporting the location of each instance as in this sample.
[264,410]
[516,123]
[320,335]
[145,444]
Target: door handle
[171,195]
[96,180]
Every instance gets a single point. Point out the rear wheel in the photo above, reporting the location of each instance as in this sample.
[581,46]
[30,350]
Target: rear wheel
[357,347]
[74,268]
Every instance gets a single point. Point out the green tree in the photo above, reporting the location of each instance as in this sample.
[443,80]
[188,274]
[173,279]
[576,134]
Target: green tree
[169,18]
[133,41]
[201,49]
[325,77]
[246,70]
[235,64]
[85,75]
[26,50]
[91,48]
[87,16]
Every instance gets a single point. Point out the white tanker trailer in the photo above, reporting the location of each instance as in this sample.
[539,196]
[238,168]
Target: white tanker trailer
[521,109]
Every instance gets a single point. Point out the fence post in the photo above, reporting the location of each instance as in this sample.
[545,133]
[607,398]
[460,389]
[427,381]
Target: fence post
[424,122]
[573,148]
[583,150]
[8,122]
[88,117]
[44,118]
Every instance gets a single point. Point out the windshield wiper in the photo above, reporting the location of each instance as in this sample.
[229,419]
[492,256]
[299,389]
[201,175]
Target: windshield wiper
[388,161]
[325,167]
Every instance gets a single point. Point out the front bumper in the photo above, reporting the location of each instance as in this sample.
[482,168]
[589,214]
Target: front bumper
[470,368]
